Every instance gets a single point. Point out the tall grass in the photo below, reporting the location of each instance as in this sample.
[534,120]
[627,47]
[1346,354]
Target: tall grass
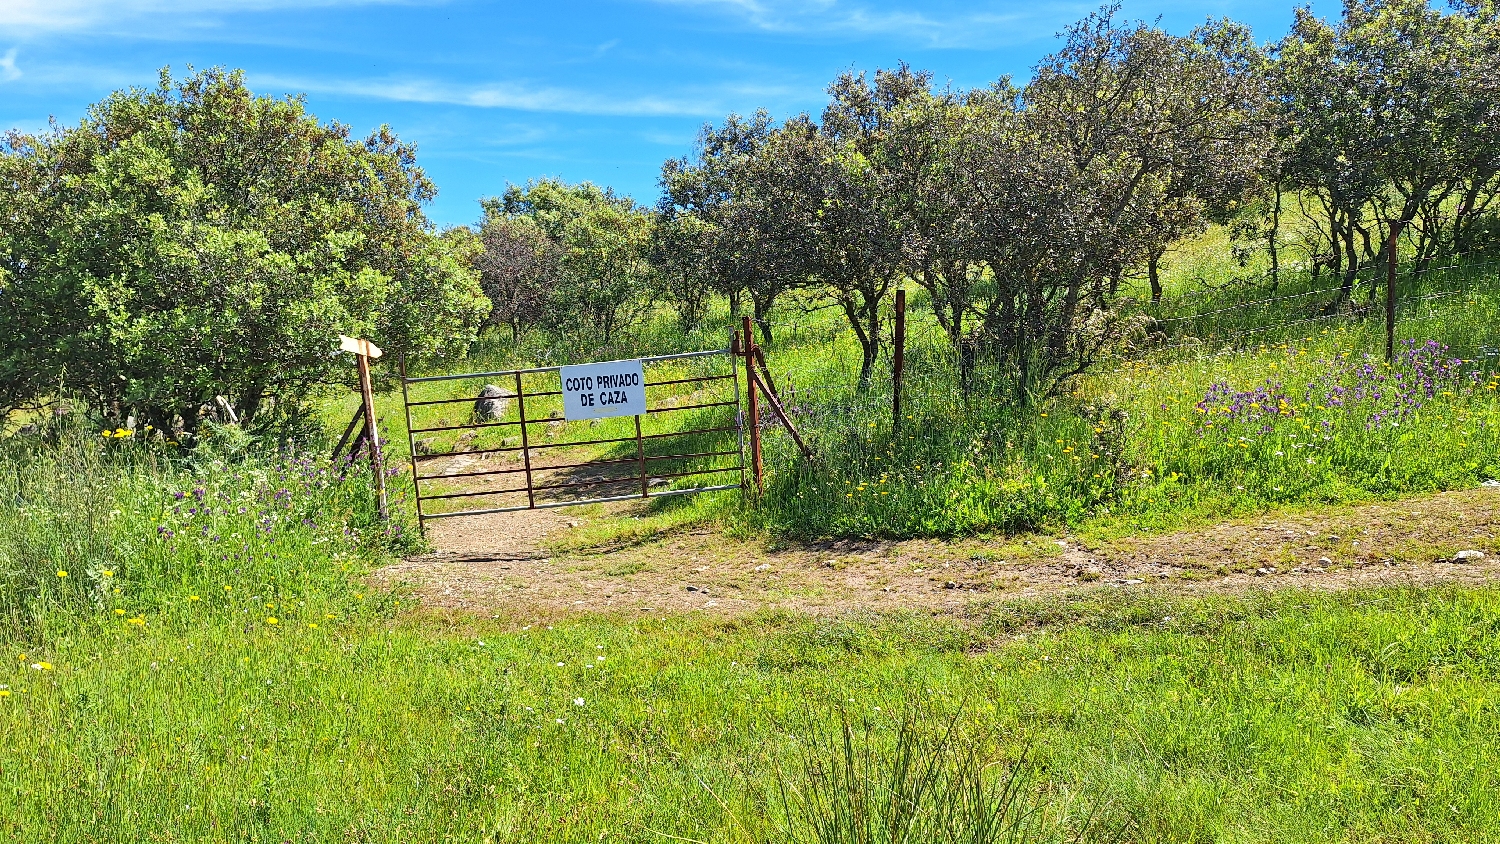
[930,779]
[1130,442]
[120,529]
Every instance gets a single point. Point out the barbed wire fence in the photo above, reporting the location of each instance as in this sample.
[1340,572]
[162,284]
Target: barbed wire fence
[825,390]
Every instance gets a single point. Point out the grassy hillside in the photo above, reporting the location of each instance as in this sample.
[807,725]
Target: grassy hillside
[194,652]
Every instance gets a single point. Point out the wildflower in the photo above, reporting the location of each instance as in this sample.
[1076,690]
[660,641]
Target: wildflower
[119,612]
[578,701]
[270,619]
[313,625]
[192,597]
[108,573]
[4,692]
[42,666]
[139,621]
[61,573]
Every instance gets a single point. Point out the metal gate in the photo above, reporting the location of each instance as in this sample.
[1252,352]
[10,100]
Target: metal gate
[514,451]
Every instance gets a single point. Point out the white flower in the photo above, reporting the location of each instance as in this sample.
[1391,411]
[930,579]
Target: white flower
[560,665]
[578,701]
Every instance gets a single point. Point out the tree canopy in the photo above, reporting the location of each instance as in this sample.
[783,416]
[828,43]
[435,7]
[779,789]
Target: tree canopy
[196,240]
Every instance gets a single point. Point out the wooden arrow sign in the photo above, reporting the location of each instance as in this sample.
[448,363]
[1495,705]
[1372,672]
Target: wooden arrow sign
[359,346]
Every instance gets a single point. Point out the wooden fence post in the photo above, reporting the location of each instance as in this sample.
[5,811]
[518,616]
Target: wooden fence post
[363,350]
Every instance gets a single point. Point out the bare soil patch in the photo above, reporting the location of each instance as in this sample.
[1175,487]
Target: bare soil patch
[501,563]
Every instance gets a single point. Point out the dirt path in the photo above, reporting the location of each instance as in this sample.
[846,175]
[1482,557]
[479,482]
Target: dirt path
[500,563]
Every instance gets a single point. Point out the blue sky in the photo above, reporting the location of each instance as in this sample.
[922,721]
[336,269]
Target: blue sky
[495,93]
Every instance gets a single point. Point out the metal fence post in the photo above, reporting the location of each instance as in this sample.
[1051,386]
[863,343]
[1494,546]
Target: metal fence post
[411,442]
[1390,295]
[899,364]
[747,345]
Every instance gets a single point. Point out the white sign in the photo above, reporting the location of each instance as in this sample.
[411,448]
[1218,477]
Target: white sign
[358,346]
[596,390]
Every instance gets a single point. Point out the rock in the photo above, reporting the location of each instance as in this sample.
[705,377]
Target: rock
[425,446]
[1491,483]
[1324,561]
[1468,556]
[1266,570]
[1133,581]
[950,585]
[491,404]
[692,589]
[762,567]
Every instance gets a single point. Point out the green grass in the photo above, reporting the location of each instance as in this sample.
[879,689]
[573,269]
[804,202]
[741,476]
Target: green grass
[1368,716]
[227,674]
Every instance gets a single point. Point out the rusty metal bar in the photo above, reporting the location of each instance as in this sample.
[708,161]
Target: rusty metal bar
[640,453]
[551,504]
[691,406]
[525,449]
[584,442]
[585,465]
[747,345]
[443,401]
[462,427]
[506,372]
[689,380]
[739,416]
[765,371]
[576,484]
[898,366]
[411,447]
[781,414]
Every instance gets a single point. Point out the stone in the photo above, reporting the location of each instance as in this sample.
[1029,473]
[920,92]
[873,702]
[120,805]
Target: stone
[1133,581]
[1468,556]
[1324,561]
[1491,483]
[491,404]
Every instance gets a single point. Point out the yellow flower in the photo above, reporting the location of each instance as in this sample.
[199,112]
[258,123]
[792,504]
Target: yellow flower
[108,573]
[4,692]
[271,619]
[119,612]
[313,625]
[192,597]
[61,573]
[139,621]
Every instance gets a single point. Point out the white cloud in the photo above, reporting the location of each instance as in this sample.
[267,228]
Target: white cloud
[961,25]
[49,16]
[520,96]
[8,70]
